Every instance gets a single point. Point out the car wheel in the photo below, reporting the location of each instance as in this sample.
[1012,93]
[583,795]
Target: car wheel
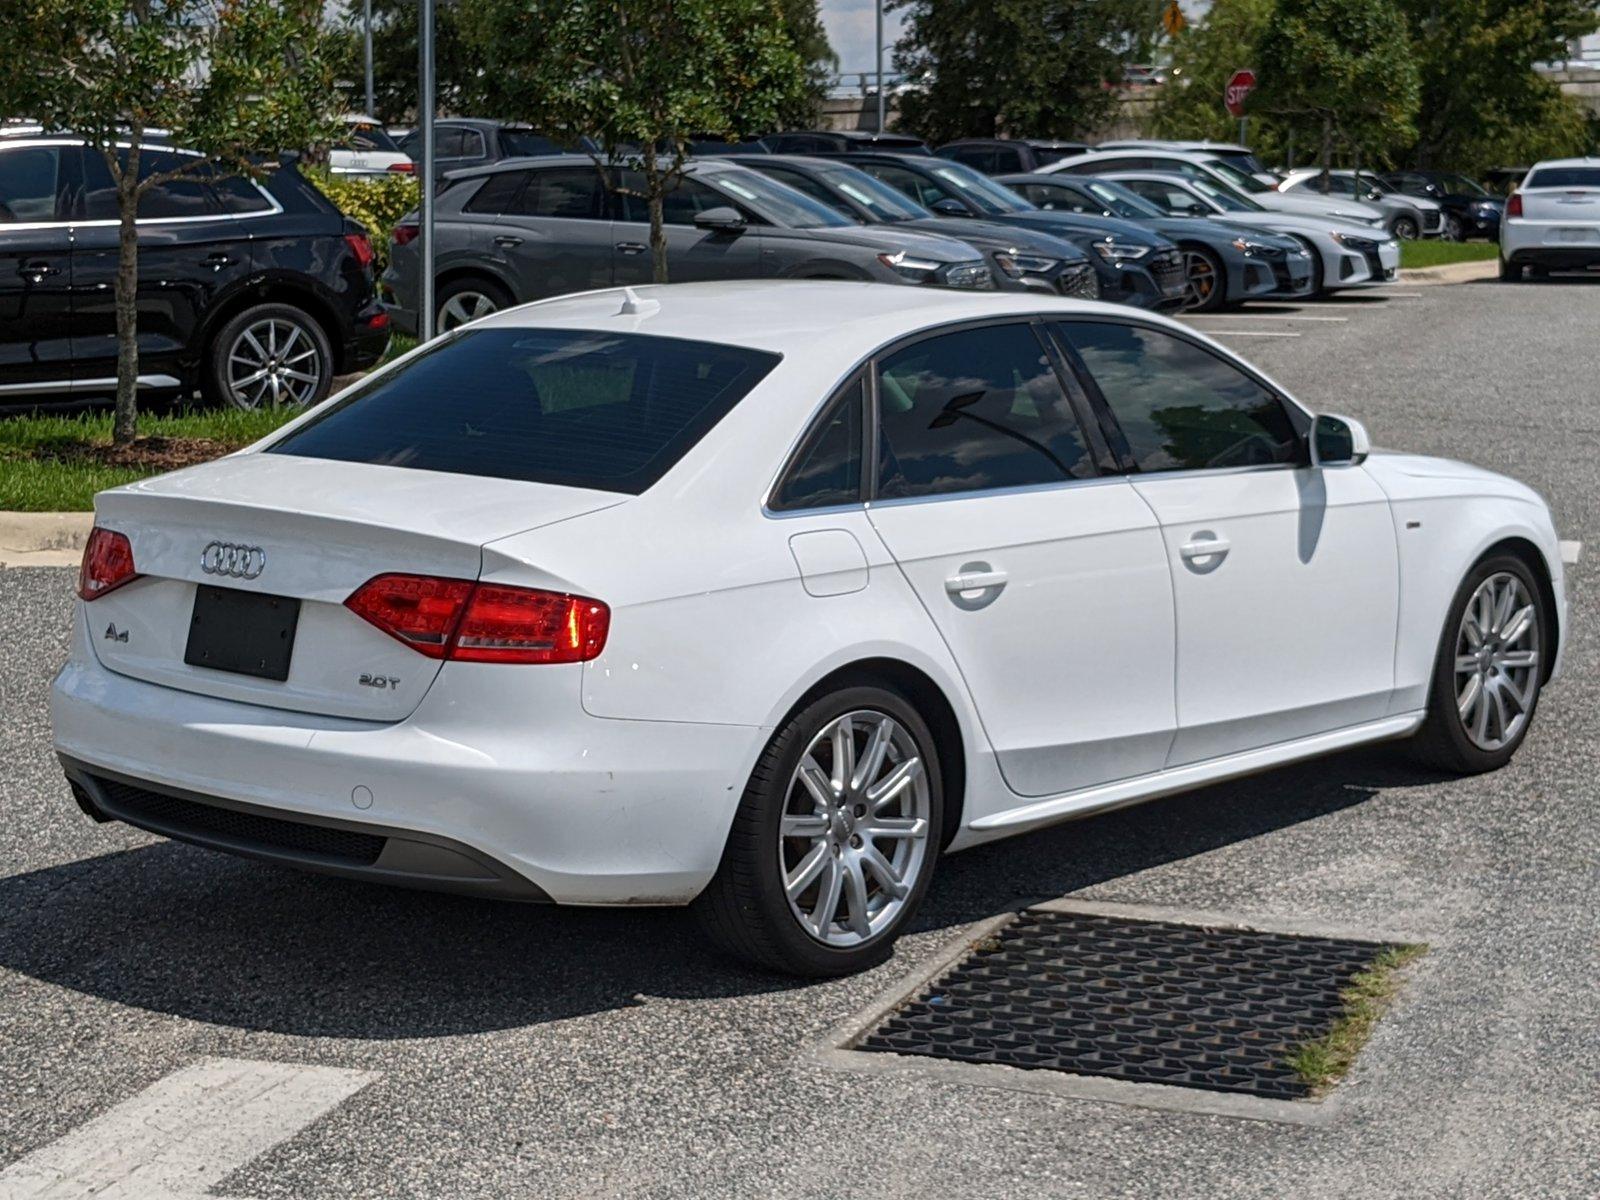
[468,299]
[1488,671]
[1405,229]
[1510,272]
[1207,281]
[269,356]
[1317,276]
[835,839]
[1453,230]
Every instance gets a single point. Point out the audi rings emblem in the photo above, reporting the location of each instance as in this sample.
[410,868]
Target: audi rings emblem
[236,562]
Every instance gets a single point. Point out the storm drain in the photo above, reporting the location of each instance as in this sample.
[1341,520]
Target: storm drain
[1144,1001]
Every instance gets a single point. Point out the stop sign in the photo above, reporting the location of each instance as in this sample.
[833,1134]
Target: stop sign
[1240,85]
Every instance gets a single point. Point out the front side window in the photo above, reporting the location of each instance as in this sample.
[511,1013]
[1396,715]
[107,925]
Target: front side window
[573,193]
[974,409]
[827,470]
[1180,407]
[679,206]
[497,194]
[30,181]
[921,189]
[612,411]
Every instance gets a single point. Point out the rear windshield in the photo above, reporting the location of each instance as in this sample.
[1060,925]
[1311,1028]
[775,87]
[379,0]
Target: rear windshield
[612,411]
[1564,177]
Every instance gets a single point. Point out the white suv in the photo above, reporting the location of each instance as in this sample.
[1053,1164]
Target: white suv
[1552,221]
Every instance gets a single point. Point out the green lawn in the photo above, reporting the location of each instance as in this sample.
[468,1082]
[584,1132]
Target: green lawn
[1437,254]
[57,464]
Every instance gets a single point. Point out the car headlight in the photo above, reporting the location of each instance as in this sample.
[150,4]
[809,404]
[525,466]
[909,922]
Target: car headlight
[912,268]
[1353,242]
[1018,265]
[1114,251]
[1246,246]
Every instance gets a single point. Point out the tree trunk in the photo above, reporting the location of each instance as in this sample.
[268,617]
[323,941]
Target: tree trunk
[125,422]
[1327,146]
[655,189]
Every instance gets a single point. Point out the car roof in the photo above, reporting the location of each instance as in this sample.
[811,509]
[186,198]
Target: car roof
[691,166]
[845,319]
[1191,156]
[1586,161]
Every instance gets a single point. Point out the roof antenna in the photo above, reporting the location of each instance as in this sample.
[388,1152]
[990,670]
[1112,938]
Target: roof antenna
[633,305]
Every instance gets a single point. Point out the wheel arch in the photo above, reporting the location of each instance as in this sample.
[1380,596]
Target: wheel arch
[272,290]
[474,270]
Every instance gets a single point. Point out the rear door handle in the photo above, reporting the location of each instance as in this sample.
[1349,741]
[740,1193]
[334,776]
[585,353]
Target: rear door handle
[632,247]
[506,240]
[37,270]
[217,261]
[1211,547]
[975,581]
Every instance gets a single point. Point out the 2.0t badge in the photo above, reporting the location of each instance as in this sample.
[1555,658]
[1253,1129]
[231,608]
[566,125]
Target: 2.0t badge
[234,561]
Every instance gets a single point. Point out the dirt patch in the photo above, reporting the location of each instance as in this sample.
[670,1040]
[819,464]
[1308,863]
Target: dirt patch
[145,454]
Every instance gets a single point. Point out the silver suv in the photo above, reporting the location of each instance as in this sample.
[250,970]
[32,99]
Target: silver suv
[530,228]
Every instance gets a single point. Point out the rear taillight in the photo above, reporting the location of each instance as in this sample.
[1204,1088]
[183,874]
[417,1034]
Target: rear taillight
[107,563]
[404,234]
[458,620]
[361,246]
[404,168]
[1514,205]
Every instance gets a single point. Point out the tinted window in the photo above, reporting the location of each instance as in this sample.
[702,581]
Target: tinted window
[449,143]
[828,469]
[472,145]
[1008,158]
[519,143]
[1055,197]
[924,191]
[30,179]
[981,408]
[365,136]
[572,192]
[239,195]
[1180,406]
[189,195]
[1169,197]
[498,193]
[570,407]
[678,206]
[802,183]
[980,158]
[1564,177]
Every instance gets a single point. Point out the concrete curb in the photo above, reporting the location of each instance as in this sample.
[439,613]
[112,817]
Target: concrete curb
[43,539]
[1464,272]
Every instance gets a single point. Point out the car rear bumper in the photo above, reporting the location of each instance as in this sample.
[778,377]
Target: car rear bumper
[468,794]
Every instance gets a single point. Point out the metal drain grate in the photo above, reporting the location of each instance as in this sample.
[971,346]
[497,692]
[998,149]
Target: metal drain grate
[1145,1001]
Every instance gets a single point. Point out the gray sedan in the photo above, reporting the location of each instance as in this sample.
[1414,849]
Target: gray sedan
[530,228]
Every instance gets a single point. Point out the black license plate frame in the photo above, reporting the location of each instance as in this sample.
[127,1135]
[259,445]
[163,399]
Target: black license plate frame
[242,633]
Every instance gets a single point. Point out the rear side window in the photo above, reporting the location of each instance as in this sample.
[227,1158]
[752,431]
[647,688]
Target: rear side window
[239,195]
[1564,177]
[570,192]
[974,409]
[1181,407]
[612,411]
[828,468]
[498,193]
[30,181]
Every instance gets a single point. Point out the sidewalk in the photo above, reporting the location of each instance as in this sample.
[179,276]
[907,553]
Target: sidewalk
[43,539]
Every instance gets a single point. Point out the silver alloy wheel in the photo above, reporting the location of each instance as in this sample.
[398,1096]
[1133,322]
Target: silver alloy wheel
[1201,278]
[853,836]
[1405,229]
[463,307]
[273,363]
[1497,661]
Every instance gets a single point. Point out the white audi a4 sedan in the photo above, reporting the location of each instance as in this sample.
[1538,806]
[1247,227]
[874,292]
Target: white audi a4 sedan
[763,596]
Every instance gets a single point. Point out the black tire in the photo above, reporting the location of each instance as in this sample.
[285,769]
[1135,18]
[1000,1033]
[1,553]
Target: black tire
[1510,272]
[309,353]
[1453,230]
[463,299]
[1198,259]
[1317,280]
[1405,228]
[744,909]
[1443,742]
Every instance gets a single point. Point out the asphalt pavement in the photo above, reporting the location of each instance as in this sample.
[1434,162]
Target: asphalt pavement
[492,1050]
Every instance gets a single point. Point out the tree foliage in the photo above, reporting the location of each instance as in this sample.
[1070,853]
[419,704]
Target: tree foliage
[1341,73]
[1204,57]
[231,79]
[641,77]
[459,84]
[1025,68]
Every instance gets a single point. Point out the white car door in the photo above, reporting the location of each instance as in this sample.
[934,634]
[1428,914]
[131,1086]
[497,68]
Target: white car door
[1047,580]
[1286,576]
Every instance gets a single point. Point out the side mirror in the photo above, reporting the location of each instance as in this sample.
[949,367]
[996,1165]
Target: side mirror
[721,219]
[1338,441]
[949,207]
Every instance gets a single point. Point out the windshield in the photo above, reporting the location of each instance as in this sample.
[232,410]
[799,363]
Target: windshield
[1376,184]
[1244,160]
[1242,180]
[877,197]
[1120,202]
[364,135]
[1460,183]
[778,202]
[1225,197]
[991,197]
[572,407]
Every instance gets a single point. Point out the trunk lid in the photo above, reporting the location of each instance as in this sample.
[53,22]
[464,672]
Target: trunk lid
[1578,208]
[317,530]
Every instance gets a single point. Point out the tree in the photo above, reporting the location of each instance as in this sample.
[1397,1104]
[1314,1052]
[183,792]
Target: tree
[458,69]
[641,77]
[1023,68]
[803,21]
[1342,71]
[1481,99]
[231,79]
[1189,106]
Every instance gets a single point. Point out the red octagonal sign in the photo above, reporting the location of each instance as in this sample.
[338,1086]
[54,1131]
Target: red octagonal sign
[1240,85]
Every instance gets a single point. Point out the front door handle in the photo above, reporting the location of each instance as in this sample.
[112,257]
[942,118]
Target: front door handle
[1204,547]
[217,261]
[632,247]
[506,240]
[37,270]
[975,581]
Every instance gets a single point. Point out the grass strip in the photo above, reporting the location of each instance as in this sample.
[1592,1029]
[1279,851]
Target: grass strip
[1325,1060]
[1433,253]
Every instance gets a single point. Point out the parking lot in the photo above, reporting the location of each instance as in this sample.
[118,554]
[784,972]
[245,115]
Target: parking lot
[521,1050]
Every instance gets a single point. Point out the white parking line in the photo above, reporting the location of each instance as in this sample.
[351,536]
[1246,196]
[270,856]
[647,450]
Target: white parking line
[1570,551]
[1261,316]
[1249,333]
[182,1134]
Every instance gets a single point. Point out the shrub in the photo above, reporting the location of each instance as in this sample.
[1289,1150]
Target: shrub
[377,201]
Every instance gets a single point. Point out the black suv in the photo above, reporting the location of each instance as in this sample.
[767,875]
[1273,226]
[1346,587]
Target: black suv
[256,294]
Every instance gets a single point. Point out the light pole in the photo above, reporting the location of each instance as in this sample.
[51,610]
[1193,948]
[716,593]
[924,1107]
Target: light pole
[425,116]
[366,19]
[880,65]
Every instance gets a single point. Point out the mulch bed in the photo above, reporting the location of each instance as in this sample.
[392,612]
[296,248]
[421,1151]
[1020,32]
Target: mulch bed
[146,453]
